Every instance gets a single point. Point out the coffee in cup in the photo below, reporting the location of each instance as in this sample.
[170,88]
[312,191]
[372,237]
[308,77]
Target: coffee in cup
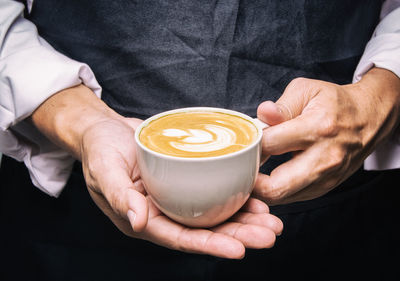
[199,164]
[198,134]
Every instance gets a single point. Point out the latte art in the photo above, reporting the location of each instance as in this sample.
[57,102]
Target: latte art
[211,138]
[198,134]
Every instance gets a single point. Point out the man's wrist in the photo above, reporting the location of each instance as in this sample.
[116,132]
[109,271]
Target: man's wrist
[384,86]
[65,116]
[378,97]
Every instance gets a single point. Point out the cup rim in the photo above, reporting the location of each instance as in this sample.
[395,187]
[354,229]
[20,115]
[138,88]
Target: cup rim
[191,109]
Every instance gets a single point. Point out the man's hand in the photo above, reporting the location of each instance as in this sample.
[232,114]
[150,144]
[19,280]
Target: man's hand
[329,129]
[104,142]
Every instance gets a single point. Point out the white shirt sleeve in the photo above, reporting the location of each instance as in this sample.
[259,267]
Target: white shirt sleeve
[30,72]
[383,50]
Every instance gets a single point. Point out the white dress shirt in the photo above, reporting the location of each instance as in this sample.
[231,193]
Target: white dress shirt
[31,71]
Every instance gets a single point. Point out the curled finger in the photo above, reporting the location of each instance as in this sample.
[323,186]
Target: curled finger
[266,220]
[255,206]
[252,236]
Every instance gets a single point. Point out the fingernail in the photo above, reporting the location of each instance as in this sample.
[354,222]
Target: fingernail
[132,216]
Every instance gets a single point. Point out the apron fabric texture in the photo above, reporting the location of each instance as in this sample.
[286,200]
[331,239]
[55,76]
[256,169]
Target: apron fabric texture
[154,55]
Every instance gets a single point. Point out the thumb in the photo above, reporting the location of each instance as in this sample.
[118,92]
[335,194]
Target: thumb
[273,113]
[120,192]
[290,105]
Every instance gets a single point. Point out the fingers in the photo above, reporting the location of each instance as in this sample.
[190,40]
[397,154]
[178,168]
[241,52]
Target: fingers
[280,138]
[255,206]
[266,220]
[211,243]
[227,240]
[165,232]
[287,119]
[295,175]
[283,182]
[297,95]
[137,212]
[272,113]
[291,104]
[118,189]
[252,236]
[311,121]
[256,212]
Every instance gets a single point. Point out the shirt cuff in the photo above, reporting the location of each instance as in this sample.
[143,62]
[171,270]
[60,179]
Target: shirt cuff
[29,78]
[385,157]
[383,51]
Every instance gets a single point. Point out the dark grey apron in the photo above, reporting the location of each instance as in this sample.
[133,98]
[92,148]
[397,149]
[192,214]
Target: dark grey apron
[153,55]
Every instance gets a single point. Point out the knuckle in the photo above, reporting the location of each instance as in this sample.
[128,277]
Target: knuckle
[336,158]
[299,82]
[272,193]
[299,85]
[328,126]
[275,195]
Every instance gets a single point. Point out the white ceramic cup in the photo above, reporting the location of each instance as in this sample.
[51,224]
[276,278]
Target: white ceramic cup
[200,192]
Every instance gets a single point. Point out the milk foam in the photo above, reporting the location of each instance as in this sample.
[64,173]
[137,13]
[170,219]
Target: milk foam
[210,138]
[198,134]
